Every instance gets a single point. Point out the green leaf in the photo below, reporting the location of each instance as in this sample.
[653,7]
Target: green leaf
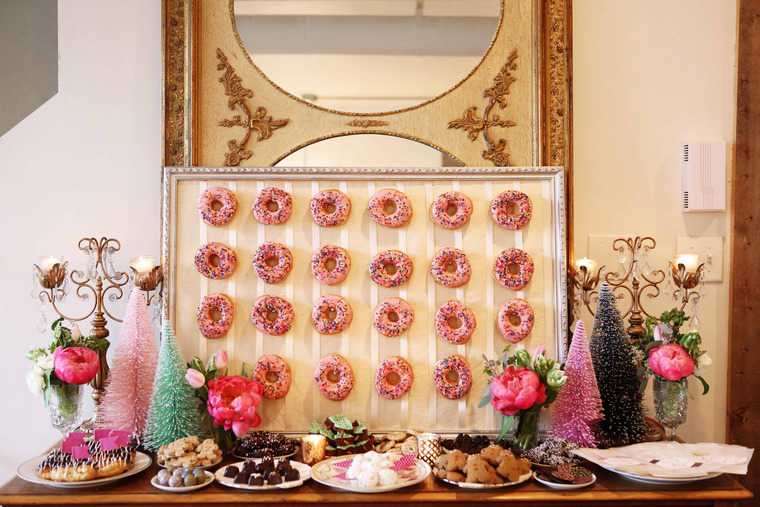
[486,399]
[705,385]
[247,371]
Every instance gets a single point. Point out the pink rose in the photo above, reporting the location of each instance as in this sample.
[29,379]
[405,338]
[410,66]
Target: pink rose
[232,403]
[195,378]
[671,362]
[518,388]
[220,359]
[76,365]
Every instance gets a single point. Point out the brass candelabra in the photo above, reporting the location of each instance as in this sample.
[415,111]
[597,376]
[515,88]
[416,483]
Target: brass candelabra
[102,281]
[686,273]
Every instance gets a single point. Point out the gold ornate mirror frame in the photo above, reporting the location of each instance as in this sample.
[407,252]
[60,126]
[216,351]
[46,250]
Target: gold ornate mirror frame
[512,109]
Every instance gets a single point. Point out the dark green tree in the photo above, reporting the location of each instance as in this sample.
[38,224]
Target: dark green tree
[616,374]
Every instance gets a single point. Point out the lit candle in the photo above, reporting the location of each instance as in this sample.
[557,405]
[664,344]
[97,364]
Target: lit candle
[143,265]
[586,263]
[47,263]
[313,448]
[690,262]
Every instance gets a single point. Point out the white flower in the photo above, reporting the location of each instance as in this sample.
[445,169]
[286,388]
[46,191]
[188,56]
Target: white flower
[76,333]
[45,362]
[704,360]
[35,383]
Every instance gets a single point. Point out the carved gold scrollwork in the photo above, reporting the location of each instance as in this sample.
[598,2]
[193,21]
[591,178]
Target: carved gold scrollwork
[367,123]
[259,121]
[473,124]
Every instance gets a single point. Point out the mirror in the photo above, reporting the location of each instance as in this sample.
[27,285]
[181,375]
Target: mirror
[347,51]
[368,150]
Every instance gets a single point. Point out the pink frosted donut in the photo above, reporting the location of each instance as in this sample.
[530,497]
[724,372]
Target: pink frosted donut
[515,320]
[330,265]
[272,262]
[334,377]
[273,206]
[452,377]
[331,315]
[454,322]
[274,374]
[391,268]
[513,268]
[451,210]
[214,315]
[393,317]
[330,208]
[390,208]
[272,315]
[217,206]
[394,378]
[511,209]
[450,267]
[215,260]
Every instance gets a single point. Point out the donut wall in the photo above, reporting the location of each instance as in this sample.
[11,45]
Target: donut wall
[361,343]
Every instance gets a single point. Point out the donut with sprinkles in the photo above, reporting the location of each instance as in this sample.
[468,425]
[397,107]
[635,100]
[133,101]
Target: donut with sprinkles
[390,208]
[214,315]
[450,267]
[393,317]
[272,315]
[451,210]
[330,264]
[391,268]
[331,315]
[273,206]
[452,377]
[330,208]
[273,372]
[217,206]
[215,260]
[394,378]
[513,268]
[272,262]
[334,377]
[511,209]
[454,322]
[515,320]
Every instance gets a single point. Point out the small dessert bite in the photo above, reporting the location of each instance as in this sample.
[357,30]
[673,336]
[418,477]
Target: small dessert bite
[394,378]
[331,315]
[390,208]
[260,444]
[452,377]
[214,315]
[393,317]
[515,320]
[513,268]
[511,209]
[273,372]
[454,322]
[334,377]
[451,210]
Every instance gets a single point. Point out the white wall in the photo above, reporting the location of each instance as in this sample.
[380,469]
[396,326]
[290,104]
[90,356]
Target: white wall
[87,162]
[648,74]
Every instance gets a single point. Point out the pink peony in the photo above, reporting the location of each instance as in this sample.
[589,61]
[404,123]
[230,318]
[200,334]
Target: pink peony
[232,403]
[671,362]
[518,388]
[195,378]
[220,359]
[76,365]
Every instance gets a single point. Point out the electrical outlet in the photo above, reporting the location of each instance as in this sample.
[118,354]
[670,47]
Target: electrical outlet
[710,251]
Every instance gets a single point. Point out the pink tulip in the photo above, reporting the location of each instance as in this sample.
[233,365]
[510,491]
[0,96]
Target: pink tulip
[76,365]
[195,378]
[518,388]
[233,401]
[220,359]
[671,362]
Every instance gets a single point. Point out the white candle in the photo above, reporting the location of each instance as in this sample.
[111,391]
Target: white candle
[143,264]
[48,262]
[587,263]
[690,262]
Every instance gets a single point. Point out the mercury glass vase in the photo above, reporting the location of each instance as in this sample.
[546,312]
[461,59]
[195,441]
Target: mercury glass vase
[64,404]
[671,402]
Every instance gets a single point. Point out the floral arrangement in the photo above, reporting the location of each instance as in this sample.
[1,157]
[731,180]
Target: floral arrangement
[671,354]
[70,359]
[519,386]
[231,400]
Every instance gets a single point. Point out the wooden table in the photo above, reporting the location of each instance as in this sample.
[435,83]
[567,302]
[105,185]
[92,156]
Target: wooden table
[609,489]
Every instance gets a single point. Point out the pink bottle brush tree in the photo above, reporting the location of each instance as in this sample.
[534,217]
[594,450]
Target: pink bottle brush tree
[133,368]
[578,407]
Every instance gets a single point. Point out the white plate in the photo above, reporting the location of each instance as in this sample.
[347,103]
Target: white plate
[183,489]
[562,486]
[304,470]
[649,479]
[28,472]
[275,457]
[324,473]
[204,467]
[476,485]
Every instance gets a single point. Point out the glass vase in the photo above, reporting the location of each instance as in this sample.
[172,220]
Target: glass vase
[64,404]
[527,429]
[671,402]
